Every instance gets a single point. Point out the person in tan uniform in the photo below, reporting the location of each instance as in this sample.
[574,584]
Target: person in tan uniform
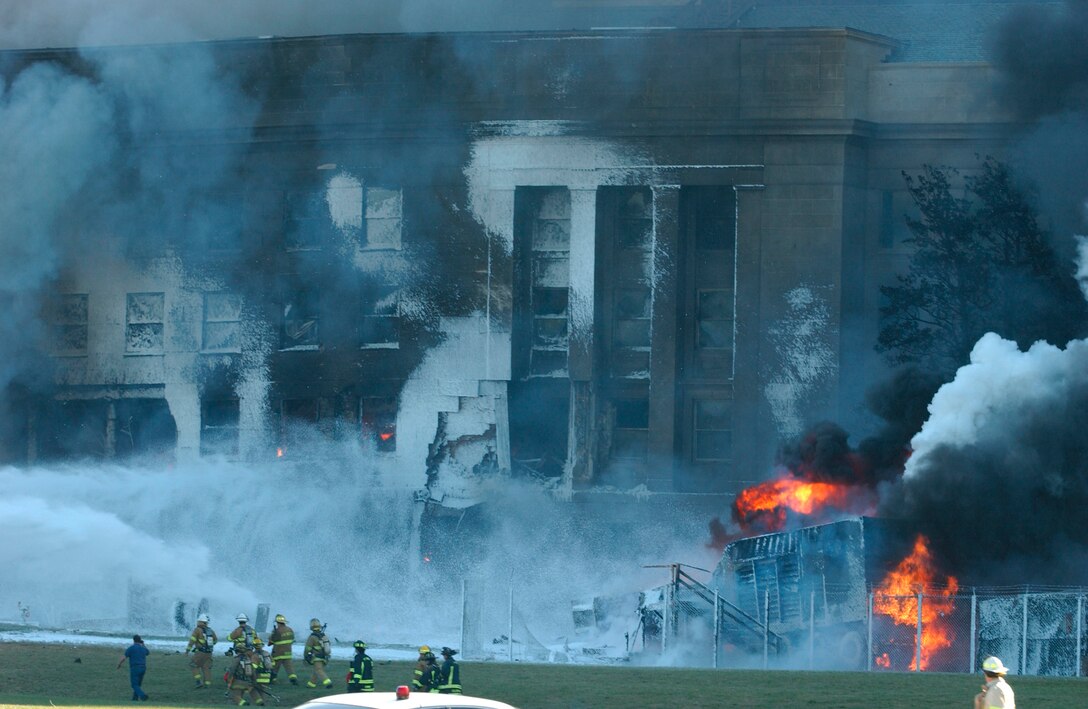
[201,642]
[317,653]
[242,676]
[242,632]
[262,671]
[282,639]
[996,693]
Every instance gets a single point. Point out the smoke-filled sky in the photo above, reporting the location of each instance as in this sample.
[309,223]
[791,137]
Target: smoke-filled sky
[57,23]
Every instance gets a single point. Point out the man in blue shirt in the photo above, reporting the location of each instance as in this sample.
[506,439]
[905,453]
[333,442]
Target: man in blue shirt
[136,655]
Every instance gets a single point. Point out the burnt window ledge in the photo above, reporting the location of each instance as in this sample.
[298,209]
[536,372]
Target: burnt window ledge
[380,346]
[157,353]
[301,348]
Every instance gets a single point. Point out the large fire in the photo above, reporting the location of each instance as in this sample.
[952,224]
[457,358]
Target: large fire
[897,597]
[768,504]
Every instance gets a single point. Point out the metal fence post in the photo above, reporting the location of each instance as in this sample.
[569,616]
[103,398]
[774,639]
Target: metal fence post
[1080,629]
[811,629]
[511,628]
[1024,645]
[717,628]
[869,642]
[666,625]
[464,611]
[918,638]
[972,657]
[766,624]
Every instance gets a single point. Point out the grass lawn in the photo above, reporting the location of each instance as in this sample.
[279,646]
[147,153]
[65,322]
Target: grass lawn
[50,675]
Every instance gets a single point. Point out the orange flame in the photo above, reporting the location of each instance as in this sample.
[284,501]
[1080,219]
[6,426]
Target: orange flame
[883,661]
[279,452]
[897,597]
[771,499]
[385,435]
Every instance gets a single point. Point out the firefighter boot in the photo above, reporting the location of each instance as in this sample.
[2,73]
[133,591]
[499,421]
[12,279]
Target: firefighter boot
[293,679]
[327,683]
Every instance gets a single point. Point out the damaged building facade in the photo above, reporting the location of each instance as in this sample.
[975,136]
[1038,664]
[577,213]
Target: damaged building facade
[601,258]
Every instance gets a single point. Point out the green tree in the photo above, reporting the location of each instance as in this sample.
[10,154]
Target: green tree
[981,263]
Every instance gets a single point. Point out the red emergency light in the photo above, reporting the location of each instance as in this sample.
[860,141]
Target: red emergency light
[402,692]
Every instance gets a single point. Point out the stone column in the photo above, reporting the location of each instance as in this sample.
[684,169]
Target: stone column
[583,256]
[661,447]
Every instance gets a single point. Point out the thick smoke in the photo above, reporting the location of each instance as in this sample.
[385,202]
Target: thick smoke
[999,475]
[1041,54]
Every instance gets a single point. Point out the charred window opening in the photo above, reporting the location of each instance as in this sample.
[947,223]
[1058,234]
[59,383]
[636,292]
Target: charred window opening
[306,220]
[631,317]
[384,218]
[70,324]
[632,428]
[630,297]
[73,429]
[713,430]
[144,323]
[378,418]
[301,320]
[298,425]
[542,281]
[540,391]
[219,427]
[379,318]
[705,329]
[222,323]
[714,319]
[635,221]
[144,427]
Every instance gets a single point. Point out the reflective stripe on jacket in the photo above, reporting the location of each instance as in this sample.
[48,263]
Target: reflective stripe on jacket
[362,673]
[451,678]
[282,638]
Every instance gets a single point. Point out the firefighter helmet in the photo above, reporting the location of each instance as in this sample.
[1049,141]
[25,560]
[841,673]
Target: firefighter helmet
[994,666]
[448,652]
[429,657]
[280,619]
[424,649]
[242,618]
[359,645]
[257,642]
[203,618]
[315,624]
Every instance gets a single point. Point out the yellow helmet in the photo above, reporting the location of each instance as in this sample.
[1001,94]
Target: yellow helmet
[257,642]
[424,649]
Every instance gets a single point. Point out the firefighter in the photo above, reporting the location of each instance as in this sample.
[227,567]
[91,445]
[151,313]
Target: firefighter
[242,632]
[317,653]
[361,675]
[996,693]
[451,673]
[282,640]
[201,642]
[421,671]
[262,670]
[241,676]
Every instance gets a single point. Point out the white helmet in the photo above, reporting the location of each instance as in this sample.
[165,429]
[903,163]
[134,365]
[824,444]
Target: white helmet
[994,666]
[203,618]
[242,618]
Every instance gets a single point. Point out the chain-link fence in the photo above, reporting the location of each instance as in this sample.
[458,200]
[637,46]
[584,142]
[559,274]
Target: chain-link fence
[1033,632]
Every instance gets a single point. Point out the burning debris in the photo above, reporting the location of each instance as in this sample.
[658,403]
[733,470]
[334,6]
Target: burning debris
[899,597]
